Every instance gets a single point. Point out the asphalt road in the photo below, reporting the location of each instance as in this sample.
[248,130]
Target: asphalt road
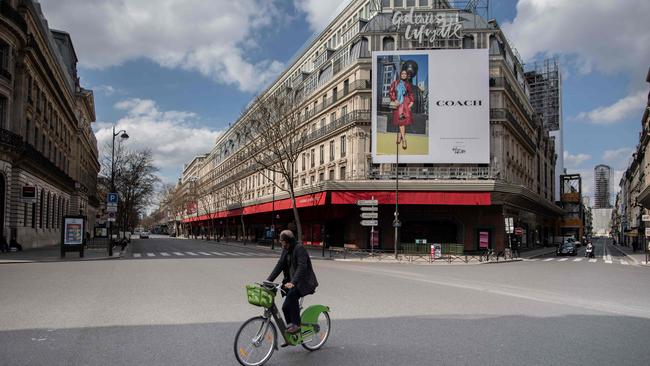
[185,310]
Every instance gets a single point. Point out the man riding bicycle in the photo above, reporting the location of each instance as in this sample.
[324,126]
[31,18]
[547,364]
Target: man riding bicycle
[299,278]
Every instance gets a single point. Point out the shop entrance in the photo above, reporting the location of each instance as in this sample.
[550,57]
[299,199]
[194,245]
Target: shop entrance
[442,231]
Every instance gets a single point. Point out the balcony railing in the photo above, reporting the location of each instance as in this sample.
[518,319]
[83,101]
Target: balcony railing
[11,139]
[501,82]
[362,84]
[504,114]
[354,116]
[437,173]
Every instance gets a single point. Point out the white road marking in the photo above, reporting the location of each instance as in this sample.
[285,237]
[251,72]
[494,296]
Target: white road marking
[164,254]
[228,253]
[624,262]
[608,261]
[531,259]
[549,259]
[563,260]
[191,253]
[204,253]
[217,253]
[179,253]
[137,255]
[150,255]
[578,259]
[593,260]
[240,253]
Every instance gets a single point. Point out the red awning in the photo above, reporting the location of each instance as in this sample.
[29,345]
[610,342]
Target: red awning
[309,200]
[414,198]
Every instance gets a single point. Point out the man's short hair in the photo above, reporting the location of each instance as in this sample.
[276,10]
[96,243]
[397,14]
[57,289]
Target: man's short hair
[286,235]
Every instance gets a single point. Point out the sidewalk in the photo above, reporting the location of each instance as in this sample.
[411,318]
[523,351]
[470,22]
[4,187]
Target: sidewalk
[53,254]
[639,257]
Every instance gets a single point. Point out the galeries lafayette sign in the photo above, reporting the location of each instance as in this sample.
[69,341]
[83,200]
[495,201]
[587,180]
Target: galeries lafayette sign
[426,26]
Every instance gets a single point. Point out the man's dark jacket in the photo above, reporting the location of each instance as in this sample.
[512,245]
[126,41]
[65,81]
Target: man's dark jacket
[297,269]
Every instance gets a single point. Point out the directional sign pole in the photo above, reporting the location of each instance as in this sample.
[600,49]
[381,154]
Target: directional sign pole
[372,235]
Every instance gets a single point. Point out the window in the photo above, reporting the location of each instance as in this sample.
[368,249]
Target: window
[312,179]
[25,215]
[388,43]
[303,161]
[321,177]
[5,53]
[34,215]
[322,154]
[331,150]
[28,127]
[334,94]
[40,221]
[3,111]
[344,110]
[342,173]
[331,177]
[399,3]
[343,147]
[410,2]
[29,89]
[313,158]
[332,117]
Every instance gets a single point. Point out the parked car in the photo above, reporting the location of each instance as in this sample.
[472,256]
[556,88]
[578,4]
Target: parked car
[567,248]
[144,235]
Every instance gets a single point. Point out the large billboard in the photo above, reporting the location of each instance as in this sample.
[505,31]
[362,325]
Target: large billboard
[431,106]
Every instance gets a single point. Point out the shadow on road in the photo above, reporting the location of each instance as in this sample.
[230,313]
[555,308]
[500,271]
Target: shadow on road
[462,340]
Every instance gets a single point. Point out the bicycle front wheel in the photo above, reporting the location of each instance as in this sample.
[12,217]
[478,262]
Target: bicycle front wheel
[319,338]
[255,341]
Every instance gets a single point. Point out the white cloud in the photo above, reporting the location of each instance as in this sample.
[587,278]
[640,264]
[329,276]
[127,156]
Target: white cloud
[173,136]
[602,35]
[574,161]
[106,90]
[320,12]
[625,107]
[211,37]
[618,158]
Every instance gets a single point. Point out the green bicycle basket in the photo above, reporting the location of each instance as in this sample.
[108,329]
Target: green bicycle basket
[259,296]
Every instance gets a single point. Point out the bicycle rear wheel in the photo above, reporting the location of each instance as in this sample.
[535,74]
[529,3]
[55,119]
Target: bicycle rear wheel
[319,338]
[255,341]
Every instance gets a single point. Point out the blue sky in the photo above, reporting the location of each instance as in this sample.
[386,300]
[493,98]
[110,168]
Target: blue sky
[175,73]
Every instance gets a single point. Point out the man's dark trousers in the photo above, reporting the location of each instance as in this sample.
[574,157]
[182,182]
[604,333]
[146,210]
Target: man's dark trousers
[291,307]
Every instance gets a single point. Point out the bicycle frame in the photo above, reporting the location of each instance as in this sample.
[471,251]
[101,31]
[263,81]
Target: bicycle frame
[309,319]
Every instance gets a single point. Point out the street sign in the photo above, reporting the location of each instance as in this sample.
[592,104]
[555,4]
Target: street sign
[645,218]
[111,208]
[369,215]
[111,199]
[29,194]
[369,222]
[369,208]
[367,202]
[110,216]
[647,231]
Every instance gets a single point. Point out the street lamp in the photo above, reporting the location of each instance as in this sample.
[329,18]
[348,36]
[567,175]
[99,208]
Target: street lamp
[123,135]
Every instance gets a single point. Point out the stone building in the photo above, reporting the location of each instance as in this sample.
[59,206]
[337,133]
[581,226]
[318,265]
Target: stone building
[456,203]
[46,141]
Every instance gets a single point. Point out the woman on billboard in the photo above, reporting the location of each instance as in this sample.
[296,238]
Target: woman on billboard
[401,100]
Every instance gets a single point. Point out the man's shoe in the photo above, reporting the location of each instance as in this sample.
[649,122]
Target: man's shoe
[293,329]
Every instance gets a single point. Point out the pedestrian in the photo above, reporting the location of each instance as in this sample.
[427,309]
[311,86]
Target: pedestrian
[4,248]
[634,245]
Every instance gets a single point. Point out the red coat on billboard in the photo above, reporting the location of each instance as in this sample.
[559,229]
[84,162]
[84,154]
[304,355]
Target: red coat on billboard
[400,92]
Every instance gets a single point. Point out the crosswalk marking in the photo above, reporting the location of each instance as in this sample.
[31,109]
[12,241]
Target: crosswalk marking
[593,260]
[179,253]
[578,259]
[191,253]
[217,253]
[608,261]
[164,254]
[137,255]
[228,253]
[563,260]
[150,255]
[204,253]
[624,262]
[548,259]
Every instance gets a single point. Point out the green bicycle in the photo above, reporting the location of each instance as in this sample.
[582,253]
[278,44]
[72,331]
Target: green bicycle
[257,338]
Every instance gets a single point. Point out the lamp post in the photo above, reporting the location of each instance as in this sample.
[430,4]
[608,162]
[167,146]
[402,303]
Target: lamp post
[123,135]
[396,222]
[273,215]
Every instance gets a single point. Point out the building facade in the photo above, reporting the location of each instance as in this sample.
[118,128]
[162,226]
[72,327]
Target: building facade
[454,203]
[47,147]
[602,186]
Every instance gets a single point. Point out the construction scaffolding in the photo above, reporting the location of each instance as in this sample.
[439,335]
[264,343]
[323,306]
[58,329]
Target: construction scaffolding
[545,92]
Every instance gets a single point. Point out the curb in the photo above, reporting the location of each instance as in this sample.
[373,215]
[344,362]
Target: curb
[18,261]
[504,261]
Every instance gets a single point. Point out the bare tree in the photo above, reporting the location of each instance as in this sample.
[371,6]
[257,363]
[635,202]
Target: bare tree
[236,195]
[278,135]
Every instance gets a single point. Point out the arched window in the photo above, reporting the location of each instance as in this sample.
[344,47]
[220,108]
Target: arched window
[468,42]
[388,44]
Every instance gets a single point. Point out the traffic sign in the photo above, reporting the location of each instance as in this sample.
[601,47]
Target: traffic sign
[111,199]
[647,231]
[519,231]
[369,215]
[367,202]
[369,222]
[645,218]
[111,216]
[369,208]
[111,208]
